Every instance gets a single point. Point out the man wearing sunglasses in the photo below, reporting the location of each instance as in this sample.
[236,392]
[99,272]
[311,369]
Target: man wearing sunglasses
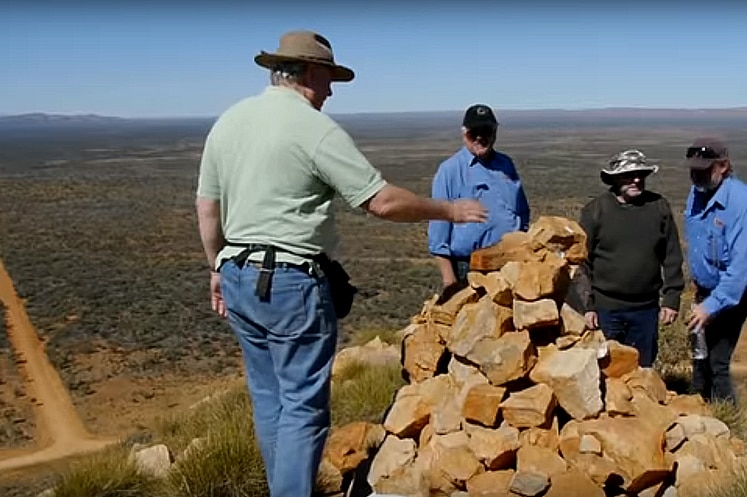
[632,242]
[476,171]
[716,235]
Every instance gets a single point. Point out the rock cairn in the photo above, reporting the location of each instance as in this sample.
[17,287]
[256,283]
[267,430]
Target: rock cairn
[509,394]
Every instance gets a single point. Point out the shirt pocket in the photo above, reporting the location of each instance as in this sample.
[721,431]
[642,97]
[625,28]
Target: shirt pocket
[717,250]
[498,193]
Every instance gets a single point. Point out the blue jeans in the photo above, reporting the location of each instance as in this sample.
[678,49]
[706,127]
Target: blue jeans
[288,344]
[637,328]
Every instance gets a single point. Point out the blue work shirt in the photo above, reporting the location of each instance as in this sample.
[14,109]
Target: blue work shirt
[496,184]
[716,235]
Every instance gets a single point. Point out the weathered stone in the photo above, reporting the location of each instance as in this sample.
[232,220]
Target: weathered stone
[511,272]
[573,375]
[716,453]
[563,236]
[413,405]
[505,359]
[464,374]
[620,361]
[573,322]
[494,448]
[349,445]
[153,461]
[539,280]
[392,469]
[573,483]
[477,321]
[533,459]
[529,484]
[674,437]
[589,444]
[482,404]
[422,353]
[569,440]
[649,381]
[689,468]
[375,352]
[446,416]
[634,447]
[595,340]
[446,313]
[566,341]
[513,247]
[328,478]
[541,437]
[537,314]
[453,460]
[490,484]
[617,397]
[689,404]
[530,407]
[658,416]
[601,470]
[495,285]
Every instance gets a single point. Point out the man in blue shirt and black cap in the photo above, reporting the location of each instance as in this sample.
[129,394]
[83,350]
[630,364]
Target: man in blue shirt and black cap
[716,234]
[476,171]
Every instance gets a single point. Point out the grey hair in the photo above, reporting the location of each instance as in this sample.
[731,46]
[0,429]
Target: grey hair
[287,72]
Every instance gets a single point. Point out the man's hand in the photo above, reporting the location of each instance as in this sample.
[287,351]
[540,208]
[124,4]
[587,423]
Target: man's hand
[468,211]
[591,319]
[699,317]
[216,298]
[667,315]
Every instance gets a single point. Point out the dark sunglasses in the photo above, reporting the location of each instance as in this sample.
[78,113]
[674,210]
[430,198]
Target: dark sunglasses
[482,131]
[702,152]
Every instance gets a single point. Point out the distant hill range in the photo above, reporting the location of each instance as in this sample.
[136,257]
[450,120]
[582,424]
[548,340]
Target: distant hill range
[390,124]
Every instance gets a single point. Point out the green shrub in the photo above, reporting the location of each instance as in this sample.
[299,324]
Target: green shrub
[363,392]
[109,473]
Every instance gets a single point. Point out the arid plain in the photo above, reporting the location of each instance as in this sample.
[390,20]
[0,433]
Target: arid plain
[99,239]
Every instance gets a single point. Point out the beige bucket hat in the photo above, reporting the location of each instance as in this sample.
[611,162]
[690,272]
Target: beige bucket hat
[305,46]
[627,161]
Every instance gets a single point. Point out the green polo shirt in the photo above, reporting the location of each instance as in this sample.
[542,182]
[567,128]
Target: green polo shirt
[275,163]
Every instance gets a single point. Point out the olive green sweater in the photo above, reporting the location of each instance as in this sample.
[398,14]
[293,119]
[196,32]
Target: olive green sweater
[635,259]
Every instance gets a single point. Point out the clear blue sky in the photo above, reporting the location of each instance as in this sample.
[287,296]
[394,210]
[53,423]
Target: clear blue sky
[193,58]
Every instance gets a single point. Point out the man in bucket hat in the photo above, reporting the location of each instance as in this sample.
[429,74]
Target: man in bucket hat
[716,235]
[632,240]
[479,171]
[271,166]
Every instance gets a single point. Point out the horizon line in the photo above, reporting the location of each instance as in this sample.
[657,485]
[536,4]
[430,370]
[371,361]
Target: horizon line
[355,113]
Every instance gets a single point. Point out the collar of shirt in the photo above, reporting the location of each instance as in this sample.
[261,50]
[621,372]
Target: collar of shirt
[472,159]
[721,197]
[285,92]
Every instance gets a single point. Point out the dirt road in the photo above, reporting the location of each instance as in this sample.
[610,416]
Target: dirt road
[59,431]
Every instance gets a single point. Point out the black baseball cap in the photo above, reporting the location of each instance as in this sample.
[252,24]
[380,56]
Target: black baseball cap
[479,115]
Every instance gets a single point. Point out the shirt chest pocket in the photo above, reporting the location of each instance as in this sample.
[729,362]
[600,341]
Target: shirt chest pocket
[498,192]
[717,250]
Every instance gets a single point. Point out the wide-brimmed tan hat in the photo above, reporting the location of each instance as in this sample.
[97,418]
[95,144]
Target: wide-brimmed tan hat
[305,46]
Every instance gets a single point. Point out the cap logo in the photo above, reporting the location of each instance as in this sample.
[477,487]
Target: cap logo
[481,111]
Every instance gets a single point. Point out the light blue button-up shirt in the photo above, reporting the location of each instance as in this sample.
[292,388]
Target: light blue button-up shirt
[716,235]
[496,184]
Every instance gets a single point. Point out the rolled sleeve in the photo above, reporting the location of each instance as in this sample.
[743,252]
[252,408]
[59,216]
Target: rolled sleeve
[343,167]
[439,232]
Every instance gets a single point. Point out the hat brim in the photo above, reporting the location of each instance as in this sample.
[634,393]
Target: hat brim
[699,163]
[339,73]
[608,176]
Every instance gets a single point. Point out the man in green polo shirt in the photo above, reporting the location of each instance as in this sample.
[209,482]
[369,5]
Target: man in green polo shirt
[271,166]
